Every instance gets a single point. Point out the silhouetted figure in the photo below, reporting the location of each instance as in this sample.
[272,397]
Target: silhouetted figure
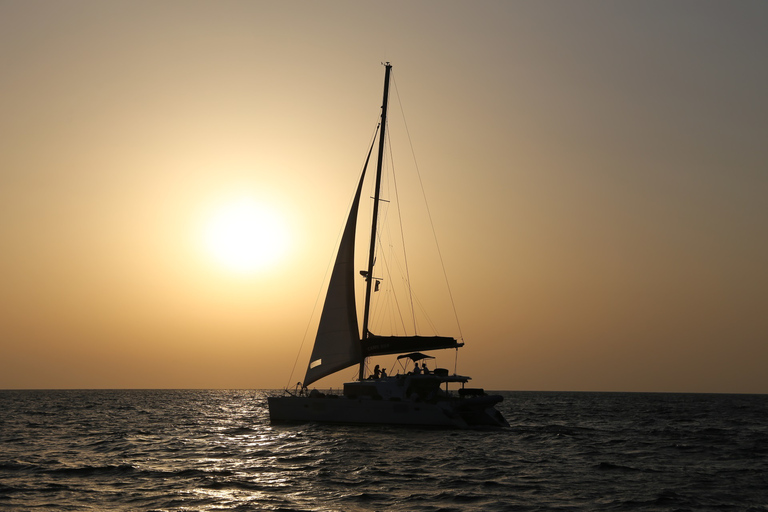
[416,369]
[376,372]
[424,369]
[383,373]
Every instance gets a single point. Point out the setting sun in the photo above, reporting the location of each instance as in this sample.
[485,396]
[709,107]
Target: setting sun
[245,236]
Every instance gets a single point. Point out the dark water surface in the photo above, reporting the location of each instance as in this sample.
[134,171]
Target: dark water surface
[216,450]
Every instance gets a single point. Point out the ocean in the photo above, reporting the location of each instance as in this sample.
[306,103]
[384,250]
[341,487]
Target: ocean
[192,450]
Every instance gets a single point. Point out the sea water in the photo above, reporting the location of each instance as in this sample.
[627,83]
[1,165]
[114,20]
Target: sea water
[216,450]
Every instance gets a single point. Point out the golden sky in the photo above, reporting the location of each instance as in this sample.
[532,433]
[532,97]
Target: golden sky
[597,173]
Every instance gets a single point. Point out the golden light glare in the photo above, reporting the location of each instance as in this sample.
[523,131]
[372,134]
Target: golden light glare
[245,236]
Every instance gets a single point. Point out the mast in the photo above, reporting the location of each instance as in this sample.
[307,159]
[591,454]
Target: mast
[372,253]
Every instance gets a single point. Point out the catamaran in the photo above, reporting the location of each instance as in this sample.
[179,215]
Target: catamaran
[435,398]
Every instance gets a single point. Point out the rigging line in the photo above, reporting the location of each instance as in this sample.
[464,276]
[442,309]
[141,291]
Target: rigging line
[327,270]
[402,234]
[388,271]
[427,318]
[416,301]
[306,331]
[429,213]
[407,286]
[455,360]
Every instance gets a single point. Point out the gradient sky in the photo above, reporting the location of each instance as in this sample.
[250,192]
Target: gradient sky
[597,172]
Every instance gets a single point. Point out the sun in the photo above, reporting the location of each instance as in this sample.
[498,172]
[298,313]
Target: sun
[245,236]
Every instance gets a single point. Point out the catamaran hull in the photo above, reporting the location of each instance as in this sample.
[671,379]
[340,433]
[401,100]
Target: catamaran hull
[386,412]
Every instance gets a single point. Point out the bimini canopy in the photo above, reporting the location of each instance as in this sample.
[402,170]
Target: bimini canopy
[415,356]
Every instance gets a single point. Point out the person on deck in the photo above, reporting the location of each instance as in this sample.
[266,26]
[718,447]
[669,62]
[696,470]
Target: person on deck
[416,369]
[376,372]
[383,373]
[424,369]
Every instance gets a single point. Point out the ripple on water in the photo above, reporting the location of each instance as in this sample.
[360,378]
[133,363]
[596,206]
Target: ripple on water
[215,450]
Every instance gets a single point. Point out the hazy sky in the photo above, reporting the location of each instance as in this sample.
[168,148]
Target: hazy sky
[597,173]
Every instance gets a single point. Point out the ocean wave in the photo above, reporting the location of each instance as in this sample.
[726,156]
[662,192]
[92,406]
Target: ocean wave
[94,471]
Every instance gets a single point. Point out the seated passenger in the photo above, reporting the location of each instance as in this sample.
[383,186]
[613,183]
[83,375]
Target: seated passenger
[424,369]
[383,373]
[376,372]
[416,369]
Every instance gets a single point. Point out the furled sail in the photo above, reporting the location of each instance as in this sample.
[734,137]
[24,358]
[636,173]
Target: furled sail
[337,344]
[382,345]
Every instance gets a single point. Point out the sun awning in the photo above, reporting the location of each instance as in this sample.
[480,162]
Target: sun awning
[415,356]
